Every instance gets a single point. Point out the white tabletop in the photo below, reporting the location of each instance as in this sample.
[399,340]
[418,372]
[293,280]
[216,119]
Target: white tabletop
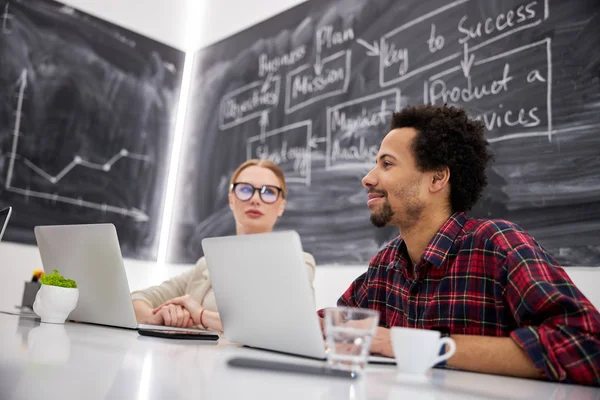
[77,361]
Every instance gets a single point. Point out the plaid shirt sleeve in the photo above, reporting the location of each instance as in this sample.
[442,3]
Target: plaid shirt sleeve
[559,327]
[356,295]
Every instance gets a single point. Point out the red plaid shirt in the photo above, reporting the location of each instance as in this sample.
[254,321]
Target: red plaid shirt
[486,277]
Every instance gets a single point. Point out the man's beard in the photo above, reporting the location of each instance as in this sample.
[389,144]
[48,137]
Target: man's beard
[409,216]
[384,216]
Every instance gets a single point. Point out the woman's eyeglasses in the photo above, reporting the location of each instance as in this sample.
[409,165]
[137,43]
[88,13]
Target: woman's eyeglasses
[244,191]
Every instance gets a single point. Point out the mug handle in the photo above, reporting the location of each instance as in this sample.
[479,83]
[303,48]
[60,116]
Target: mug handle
[451,350]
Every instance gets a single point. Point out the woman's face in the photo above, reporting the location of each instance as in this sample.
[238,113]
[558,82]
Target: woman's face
[252,213]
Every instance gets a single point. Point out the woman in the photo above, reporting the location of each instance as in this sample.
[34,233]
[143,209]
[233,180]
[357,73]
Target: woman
[256,198]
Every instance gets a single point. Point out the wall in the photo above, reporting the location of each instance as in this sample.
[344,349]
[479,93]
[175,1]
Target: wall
[160,20]
[165,21]
[219,22]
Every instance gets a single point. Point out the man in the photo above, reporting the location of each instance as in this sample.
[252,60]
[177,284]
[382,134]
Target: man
[508,305]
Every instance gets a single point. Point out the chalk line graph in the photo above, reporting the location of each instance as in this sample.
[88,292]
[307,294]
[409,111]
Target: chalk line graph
[77,161]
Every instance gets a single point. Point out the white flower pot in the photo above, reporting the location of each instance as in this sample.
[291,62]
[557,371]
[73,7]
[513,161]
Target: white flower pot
[53,304]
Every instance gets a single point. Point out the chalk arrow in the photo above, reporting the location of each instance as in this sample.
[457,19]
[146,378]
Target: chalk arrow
[267,83]
[318,64]
[263,122]
[170,67]
[313,142]
[23,79]
[5,18]
[467,62]
[138,215]
[373,49]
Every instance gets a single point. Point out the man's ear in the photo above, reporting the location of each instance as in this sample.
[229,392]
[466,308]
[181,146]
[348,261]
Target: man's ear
[281,208]
[439,179]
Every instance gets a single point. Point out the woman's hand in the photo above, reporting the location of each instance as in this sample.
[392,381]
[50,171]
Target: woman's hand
[212,321]
[172,315]
[209,319]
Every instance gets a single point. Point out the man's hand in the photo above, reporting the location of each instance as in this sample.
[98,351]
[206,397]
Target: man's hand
[382,343]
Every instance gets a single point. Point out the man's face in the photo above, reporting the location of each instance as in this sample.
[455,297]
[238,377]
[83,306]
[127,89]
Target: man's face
[397,189]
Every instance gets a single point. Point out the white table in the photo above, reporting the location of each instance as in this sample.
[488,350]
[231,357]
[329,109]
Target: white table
[81,361]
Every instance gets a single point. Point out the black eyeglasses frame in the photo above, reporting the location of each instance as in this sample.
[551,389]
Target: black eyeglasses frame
[260,191]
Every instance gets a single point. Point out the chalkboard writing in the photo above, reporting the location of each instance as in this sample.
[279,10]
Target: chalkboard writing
[85,122]
[314,88]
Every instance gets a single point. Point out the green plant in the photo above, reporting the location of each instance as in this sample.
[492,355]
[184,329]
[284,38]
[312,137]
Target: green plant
[55,279]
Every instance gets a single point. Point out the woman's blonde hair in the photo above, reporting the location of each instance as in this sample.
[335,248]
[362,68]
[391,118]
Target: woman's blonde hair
[264,164]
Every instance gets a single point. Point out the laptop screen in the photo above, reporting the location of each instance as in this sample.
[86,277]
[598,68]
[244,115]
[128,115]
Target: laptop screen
[4,217]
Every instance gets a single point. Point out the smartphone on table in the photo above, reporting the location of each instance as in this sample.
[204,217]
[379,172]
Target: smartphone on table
[179,334]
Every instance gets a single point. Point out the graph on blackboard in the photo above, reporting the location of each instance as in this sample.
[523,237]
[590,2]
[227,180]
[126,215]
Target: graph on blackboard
[77,162]
[86,116]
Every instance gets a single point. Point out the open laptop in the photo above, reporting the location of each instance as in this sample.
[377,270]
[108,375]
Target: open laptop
[90,254]
[264,295]
[5,214]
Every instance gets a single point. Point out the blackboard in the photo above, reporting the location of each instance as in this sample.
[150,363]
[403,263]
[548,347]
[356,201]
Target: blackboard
[314,87]
[86,118]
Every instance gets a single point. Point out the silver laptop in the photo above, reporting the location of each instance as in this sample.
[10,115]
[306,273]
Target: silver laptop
[264,295]
[90,254]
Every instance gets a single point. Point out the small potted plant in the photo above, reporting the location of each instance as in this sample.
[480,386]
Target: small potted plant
[56,298]
[31,288]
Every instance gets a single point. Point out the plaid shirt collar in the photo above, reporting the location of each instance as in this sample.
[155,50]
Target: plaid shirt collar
[438,249]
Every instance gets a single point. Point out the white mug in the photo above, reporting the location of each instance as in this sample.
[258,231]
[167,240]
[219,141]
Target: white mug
[417,350]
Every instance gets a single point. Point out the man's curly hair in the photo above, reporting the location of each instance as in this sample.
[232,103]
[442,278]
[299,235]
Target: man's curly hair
[446,137]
